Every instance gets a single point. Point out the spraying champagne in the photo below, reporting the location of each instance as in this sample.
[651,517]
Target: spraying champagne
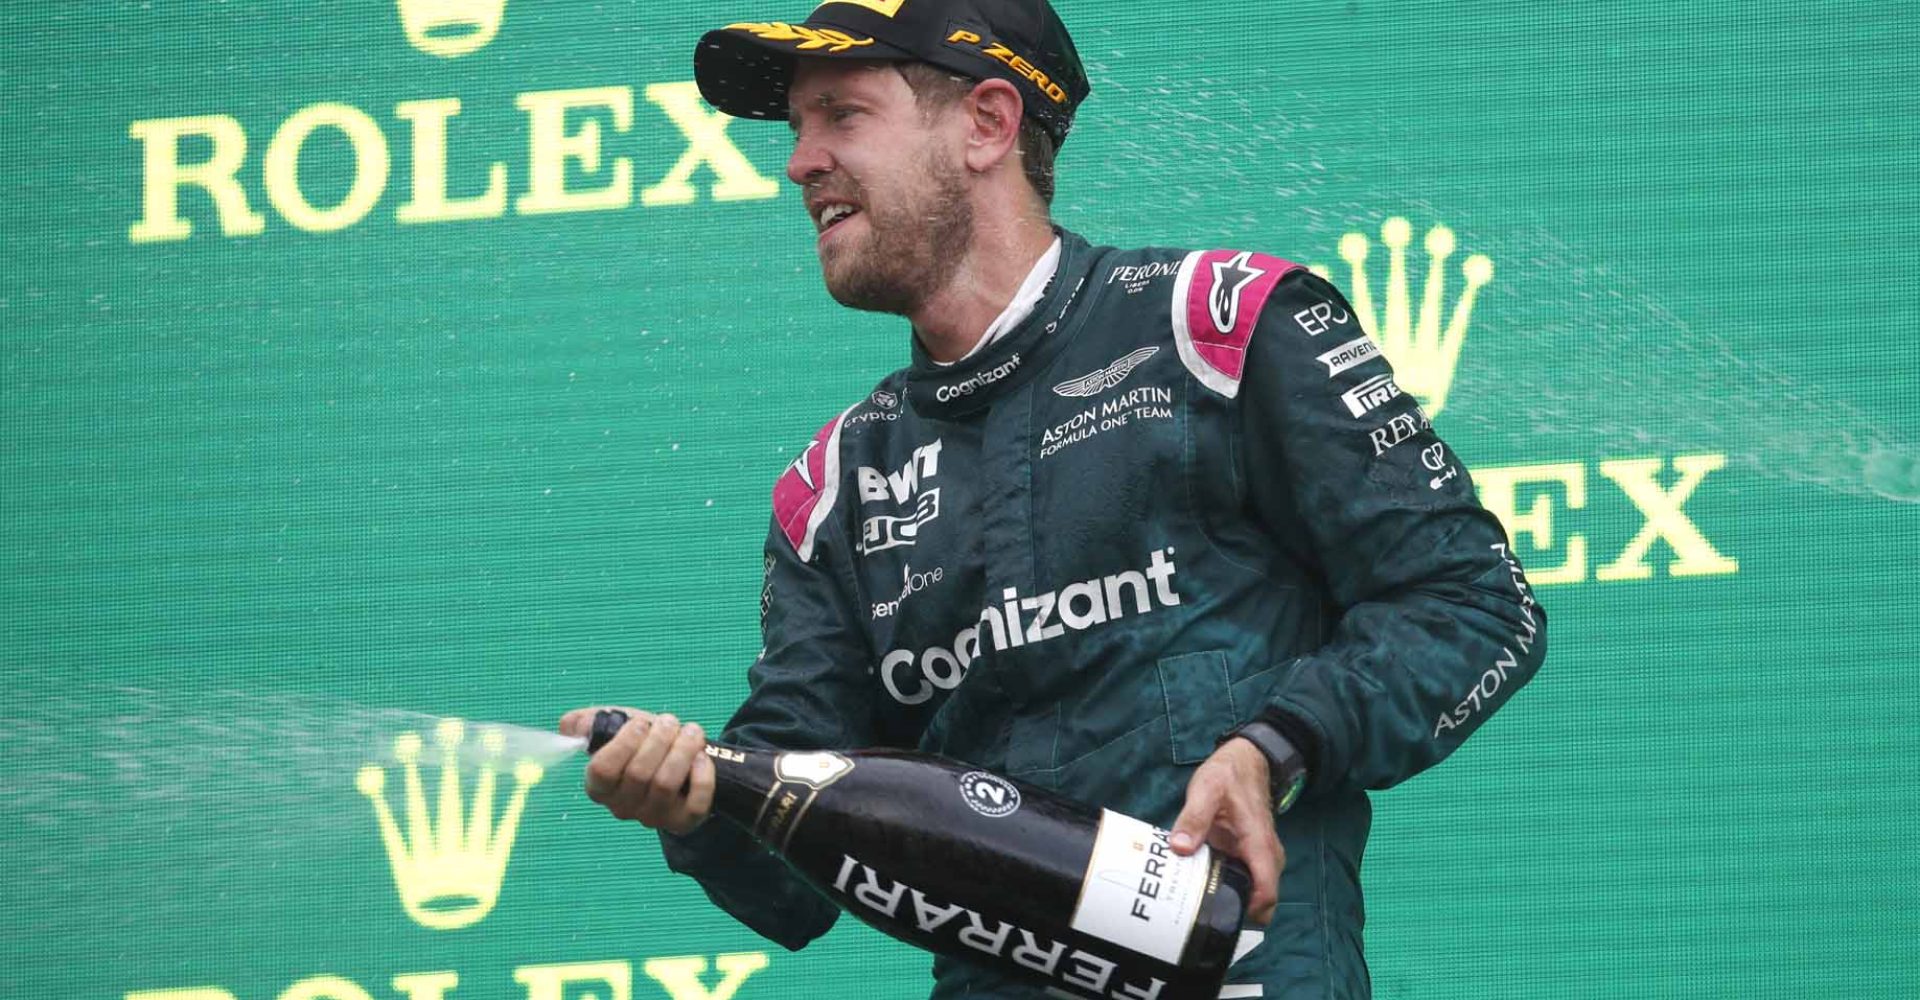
[964,862]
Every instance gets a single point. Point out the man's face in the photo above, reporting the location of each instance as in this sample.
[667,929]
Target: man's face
[862,143]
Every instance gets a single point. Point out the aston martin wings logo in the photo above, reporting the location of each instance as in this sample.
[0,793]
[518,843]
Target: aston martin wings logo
[1097,382]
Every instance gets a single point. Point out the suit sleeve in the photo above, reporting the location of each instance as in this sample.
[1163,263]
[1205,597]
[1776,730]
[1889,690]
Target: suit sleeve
[1434,623]
[806,692]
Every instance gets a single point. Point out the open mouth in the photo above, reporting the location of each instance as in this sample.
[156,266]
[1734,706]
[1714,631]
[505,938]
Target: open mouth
[831,216]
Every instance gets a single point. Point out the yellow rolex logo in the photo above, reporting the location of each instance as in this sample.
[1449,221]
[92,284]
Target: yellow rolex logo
[451,28]
[450,862]
[1543,505]
[1424,354]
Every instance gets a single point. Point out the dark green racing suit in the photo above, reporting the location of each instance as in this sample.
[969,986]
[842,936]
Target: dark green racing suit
[1184,492]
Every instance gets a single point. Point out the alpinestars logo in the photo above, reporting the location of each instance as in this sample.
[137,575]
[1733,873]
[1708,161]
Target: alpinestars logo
[799,465]
[1229,277]
[1097,382]
[886,531]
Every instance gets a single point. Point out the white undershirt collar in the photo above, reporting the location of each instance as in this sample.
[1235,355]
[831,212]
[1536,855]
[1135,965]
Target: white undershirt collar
[1029,295]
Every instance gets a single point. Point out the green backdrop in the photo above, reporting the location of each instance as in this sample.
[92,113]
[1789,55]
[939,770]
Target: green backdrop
[327,400]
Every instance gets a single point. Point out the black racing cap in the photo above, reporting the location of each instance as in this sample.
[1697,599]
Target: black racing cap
[744,69]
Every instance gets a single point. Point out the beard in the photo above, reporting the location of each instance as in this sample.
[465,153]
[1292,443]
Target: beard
[914,243]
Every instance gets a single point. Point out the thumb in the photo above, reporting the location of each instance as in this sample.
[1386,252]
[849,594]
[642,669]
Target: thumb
[1190,830]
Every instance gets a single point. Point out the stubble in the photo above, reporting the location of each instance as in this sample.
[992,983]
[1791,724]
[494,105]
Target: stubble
[914,244]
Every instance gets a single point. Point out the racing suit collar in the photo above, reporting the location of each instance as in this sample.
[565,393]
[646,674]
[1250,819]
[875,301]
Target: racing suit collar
[1038,281]
[947,391]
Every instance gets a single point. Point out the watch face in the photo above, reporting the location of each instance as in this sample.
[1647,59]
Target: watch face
[1283,800]
[1286,772]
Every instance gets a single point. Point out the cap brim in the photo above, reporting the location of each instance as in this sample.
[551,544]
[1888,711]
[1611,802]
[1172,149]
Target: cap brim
[745,70]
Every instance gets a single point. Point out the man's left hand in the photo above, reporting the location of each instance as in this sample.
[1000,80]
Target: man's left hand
[1230,808]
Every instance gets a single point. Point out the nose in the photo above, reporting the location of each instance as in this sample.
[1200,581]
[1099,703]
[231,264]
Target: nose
[808,161]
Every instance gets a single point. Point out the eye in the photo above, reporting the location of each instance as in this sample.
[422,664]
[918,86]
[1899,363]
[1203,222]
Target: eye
[841,113]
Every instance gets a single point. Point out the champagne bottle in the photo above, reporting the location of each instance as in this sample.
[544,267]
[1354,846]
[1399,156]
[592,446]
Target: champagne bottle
[964,862]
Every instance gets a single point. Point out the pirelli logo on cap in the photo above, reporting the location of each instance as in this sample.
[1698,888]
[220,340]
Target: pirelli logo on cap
[1020,66]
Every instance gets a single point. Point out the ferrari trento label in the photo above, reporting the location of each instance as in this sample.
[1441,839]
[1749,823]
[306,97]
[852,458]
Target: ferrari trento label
[798,779]
[952,926]
[1137,892]
[816,769]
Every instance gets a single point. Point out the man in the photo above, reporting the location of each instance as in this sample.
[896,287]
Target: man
[1154,528]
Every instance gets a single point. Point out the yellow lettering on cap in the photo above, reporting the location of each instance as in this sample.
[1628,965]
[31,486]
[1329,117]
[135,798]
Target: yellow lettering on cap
[965,37]
[884,8]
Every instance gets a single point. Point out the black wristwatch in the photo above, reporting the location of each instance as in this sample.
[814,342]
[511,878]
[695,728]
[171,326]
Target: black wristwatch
[1286,767]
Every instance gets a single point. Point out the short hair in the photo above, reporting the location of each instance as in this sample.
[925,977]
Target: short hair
[934,88]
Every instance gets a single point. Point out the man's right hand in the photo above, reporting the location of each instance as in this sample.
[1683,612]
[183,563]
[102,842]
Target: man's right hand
[655,770]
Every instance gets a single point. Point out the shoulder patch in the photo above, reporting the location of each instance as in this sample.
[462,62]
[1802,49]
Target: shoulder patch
[803,495]
[1217,298]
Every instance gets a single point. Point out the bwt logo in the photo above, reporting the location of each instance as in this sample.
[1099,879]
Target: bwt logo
[451,28]
[886,531]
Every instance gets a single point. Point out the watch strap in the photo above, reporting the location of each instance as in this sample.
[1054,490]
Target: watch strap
[1286,766]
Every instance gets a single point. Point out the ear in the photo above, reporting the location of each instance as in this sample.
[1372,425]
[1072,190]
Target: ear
[993,124]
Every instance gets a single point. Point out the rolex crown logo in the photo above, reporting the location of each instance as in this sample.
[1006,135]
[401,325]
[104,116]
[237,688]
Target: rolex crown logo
[450,861]
[1423,353]
[451,28]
